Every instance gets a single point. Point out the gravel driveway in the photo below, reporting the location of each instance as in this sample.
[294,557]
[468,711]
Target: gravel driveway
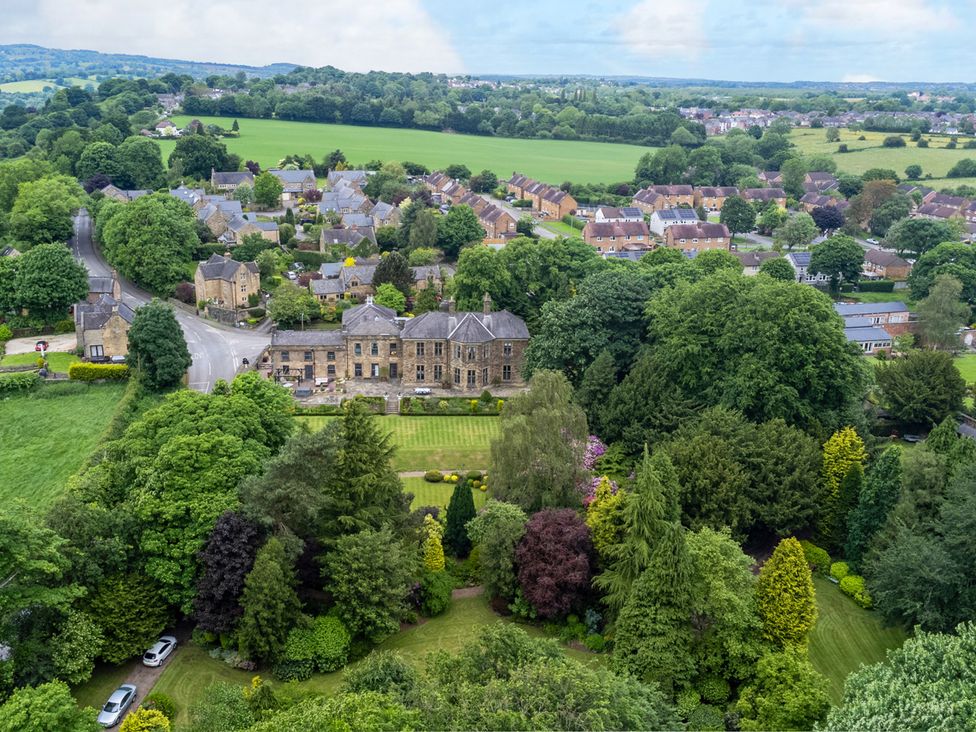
[65,342]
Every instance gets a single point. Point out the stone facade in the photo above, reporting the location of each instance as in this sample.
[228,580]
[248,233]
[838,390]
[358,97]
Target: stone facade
[102,328]
[226,282]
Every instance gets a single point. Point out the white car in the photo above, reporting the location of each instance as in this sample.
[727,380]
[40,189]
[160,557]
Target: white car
[160,651]
[116,705]
[421,391]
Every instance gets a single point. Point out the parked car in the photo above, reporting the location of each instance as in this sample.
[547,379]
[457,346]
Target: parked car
[116,705]
[421,391]
[871,241]
[41,346]
[160,651]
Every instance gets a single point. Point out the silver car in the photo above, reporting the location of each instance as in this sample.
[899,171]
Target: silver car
[160,651]
[116,705]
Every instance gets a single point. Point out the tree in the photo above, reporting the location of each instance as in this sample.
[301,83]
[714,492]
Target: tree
[430,545]
[878,497]
[485,182]
[102,158]
[785,596]
[46,708]
[832,134]
[787,693]
[918,685]
[460,511]
[496,531]
[827,218]
[536,459]
[291,305]
[227,558]
[75,647]
[888,213]
[250,247]
[792,175]
[457,171]
[425,301]
[245,195]
[798,231]
[666,166]
[738,215]
[913,172]
[941,313]
[131,614]
[918,236]
[267,190]
[157,346]
[197,155]
[955,259]
[47,281]
[270,604]
[457,229]
[394,269]
[42,211]
[368,577]
[844,448]
[595,389]
[771,218]
[150,240]
[605,517]
[778,268]
[423,231]
[480,270]
[839,257]
[922,388]
[142,161]
[555,560]
[145,720]
[389,296]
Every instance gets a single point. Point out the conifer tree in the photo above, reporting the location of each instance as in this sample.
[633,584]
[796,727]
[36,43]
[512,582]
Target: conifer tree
[459,511]
[840,452]
[785,595]
[850,493]
[595,388]
[270,604]
[433,550]
[878,496]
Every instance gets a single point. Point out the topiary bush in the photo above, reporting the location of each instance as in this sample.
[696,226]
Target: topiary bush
[817,558]
[706,718]
[839,570]
[161,702]
[473,475]
[98,371]
[853,586]
[433,476]
[435,593]
[331,643]
[67,325]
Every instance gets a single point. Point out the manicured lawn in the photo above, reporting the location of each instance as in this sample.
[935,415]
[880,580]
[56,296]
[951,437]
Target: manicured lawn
[435,443]
[563,229]
[46,440]
[904,296]
[967,367]
[869,153]
[552,161]
[104,680]
[436,494]
[58,362]
[846,637]
[191,670]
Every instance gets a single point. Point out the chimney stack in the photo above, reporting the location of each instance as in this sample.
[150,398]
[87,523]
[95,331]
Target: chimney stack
[450,306]
[486,304]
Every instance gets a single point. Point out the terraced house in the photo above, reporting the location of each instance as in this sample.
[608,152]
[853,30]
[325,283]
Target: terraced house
[465,351]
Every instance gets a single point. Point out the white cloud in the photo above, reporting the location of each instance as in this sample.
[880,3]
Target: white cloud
[900,17]
[659,29]
[396,35]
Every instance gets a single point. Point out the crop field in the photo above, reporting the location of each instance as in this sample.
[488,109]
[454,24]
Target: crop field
[37,85]
[435,443]
[869,153]
[846,636]
[47,440]
[554,161]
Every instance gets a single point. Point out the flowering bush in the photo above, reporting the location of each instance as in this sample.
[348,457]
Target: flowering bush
[594,449]
[589,489]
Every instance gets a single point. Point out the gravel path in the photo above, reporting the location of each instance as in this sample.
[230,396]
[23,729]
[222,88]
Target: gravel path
[421,473]
[64,342]
[463,592]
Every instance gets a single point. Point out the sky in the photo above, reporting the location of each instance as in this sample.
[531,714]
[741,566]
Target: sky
[748,40]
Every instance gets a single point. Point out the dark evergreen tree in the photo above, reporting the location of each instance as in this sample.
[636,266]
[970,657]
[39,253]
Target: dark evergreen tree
[270,604]
[847,500]
[595,388]
[157,347]
[459,511]
[227,558]
[878,496]
[393,268]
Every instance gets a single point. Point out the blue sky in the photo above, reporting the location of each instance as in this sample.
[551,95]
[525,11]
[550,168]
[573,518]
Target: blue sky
[775,40]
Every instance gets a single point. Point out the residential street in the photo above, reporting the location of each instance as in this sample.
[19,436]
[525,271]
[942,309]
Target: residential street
[517,213]
[216,351]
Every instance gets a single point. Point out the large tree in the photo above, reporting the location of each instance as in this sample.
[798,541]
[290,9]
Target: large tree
[457,229]
[798,231]
[393,269]
[827,218]
[42,211]
[460,510]
[227,558]
[878,497]
[787,693]
[536,461]
[496,531]
[197,155]
[267,190]
[48,281]
[922,388]
[46,708]
[102,158]
[157,346]
[840,258]
[142,162]
[785,595]
[918,236]
[555,562]
[942,312]
[738,215]
[292,305]
[481,270]
[955,259]
[131,614]
[270,604]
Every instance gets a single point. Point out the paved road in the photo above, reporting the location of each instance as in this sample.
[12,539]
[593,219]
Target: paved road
[216,351]
[517,213]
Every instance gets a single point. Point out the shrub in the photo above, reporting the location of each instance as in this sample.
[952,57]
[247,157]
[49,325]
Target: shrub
[293,670]
[5,333]
[714,690]
[817,558]
[18,382]
[853,586]
[474,475]
[595,642]
[256,312]
[706,718]
[922,143]
[67,325]
[894,141]
[253,299]
[161,702]
[435,593]
[384,673]
[839,570]
[433,476]
[842,148]
[876,286]
[331,639]
[688,701]
[97,371]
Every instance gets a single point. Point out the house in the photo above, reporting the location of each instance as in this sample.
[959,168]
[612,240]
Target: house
[698,237]
[99,286]
[475,202]
[771,177]
[812,200]
[661,220]
[817,182]
[166,128]
[102,327]
[9,251]
[648,200]
[871,339]
[343,201]
[937,212]
[189,196]
[385,214]
[467,351]
[217,212]
[763,195]
[497,223]
[432,275]
[347,237]
[885,265]
[611,214]
[230,181]
[800,262]
[355,178]
[752,261]
[553,202]
[240,226]
[894,317]
[517,184]
[613,236]
[294,183]
[943,199]
[123,196]
[226,282]
[675,196]
[712,198]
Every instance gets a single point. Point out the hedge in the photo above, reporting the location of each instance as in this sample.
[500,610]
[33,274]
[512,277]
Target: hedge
[439,406]
[98,371]
[876,286]
[817,558]
[839,570]
[853,586]
[18,382]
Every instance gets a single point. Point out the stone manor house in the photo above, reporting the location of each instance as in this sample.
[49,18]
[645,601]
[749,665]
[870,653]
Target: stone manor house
[467,351]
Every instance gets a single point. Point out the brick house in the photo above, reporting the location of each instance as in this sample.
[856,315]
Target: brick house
[675,195]
[765,194]
[475,202]
[294,183]
[752,261]
[886,265]
[497,223]
[698,237]
[667,217]
[712,198]
[226,282]
[230,181]
[553,202]
[648,200]
[937,212]
[818,182]
[102,328]
[611,214]
[614,236]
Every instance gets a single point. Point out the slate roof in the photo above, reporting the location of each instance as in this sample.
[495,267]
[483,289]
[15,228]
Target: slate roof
[884,259]
[187,195]
[341,236]
[336,201]
[382,210]
[234,178]
[864,335]
[101,284]
[355,177]
[223,268]
[869,308]
[287,338]
[357,219]
[327,286]
[292,177]
[330,269]
[369,319]
[440,325]
[94,316]
[754,259]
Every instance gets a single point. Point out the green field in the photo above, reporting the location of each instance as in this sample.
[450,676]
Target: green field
[846,637]
[869,153]
[58,362]
[904,296]
[37,85]
[435,443]
[562,228]
[967,367]
[267,141]
[46,440]
[436,494]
